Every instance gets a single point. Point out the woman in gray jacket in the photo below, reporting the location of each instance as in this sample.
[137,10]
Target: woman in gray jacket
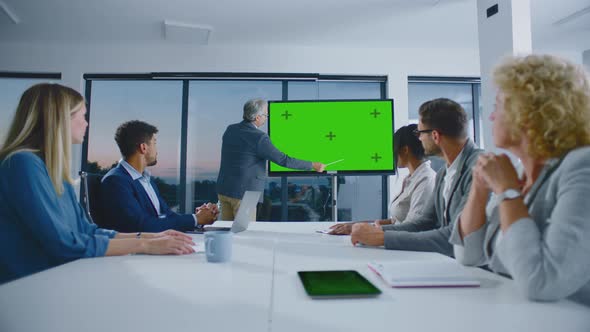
[536,228]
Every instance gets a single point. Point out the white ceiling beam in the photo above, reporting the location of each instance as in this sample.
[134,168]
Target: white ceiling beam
[9,12]
[573,16]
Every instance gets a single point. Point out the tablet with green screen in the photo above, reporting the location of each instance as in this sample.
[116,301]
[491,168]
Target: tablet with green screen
[333,284]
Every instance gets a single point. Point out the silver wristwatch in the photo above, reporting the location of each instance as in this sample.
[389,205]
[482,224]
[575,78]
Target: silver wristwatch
[508,194]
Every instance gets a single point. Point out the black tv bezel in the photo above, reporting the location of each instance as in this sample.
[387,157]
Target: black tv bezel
[331,173]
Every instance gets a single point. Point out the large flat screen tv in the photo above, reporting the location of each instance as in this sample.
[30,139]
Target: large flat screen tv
[350,136]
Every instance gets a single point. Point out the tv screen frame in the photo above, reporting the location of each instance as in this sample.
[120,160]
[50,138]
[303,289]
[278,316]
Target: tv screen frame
[290,173]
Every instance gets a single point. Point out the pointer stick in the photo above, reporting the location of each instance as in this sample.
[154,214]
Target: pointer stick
[337,161]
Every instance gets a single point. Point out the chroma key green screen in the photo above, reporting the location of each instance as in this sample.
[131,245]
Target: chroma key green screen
[355,135]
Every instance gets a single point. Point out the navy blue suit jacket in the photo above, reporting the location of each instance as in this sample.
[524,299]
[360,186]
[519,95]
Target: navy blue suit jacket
[244,153]
[126,207]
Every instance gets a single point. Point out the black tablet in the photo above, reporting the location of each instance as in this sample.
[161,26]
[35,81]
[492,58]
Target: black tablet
[337,284]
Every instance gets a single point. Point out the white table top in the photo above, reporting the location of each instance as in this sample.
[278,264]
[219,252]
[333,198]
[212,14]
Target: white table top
[260,291]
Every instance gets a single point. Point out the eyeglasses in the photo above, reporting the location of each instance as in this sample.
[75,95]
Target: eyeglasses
[264,115]
[417,132]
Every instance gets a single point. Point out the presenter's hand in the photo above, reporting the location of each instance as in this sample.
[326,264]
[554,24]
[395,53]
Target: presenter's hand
[318,167]
[341,229]
[167,245]
[367,234]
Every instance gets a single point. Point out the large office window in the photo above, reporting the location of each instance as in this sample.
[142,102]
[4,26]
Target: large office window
[159,103]
[12,86]
[192,114]
[465,91]
[214,105]
[359,197]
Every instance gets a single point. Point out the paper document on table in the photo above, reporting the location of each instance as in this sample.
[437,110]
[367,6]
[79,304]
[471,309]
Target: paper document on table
[327,231]
[424,274]
[199,247]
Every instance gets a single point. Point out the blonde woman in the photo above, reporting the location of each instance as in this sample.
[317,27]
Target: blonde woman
[41,223]
[536,228]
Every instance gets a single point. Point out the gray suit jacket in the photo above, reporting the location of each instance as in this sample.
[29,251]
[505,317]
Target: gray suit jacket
[546,254]
[431,231]
[244,152]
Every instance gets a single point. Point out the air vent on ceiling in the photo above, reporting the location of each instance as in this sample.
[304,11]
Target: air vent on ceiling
[186,32]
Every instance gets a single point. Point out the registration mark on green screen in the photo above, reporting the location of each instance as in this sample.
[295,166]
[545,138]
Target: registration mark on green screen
[330,284]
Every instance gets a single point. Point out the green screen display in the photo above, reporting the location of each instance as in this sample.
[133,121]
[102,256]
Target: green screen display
[355,135]
[336,283]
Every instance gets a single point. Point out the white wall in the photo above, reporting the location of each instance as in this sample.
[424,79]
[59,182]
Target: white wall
[575,57]
[508,32]
[75,60]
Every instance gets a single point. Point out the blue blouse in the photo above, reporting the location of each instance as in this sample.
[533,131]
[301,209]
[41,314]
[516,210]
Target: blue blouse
[40,229]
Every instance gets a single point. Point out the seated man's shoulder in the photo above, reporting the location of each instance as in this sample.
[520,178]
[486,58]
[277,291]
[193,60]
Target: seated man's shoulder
[115,175]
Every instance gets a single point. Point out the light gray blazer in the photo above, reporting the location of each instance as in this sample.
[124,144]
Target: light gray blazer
[431,230]
[548,254]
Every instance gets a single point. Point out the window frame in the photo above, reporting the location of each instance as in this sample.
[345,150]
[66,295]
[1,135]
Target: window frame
[30,75]
[475,84]
[186,77]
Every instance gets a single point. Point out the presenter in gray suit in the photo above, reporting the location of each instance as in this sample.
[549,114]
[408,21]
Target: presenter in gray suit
[536,228]
[244,152]
[442,131]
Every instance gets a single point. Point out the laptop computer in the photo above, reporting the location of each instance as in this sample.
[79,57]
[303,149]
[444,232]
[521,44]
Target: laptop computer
[246,213]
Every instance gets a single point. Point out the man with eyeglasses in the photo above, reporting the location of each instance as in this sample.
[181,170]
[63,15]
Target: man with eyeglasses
[244,152]
[442,131]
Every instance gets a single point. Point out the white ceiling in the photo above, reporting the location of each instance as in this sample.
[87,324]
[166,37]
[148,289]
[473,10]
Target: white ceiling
[361,23]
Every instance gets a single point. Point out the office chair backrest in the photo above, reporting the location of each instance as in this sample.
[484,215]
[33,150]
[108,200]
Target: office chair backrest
[90,197]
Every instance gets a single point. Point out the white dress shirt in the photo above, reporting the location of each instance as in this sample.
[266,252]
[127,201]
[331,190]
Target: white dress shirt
[416,190]
[449,179]
[144,179]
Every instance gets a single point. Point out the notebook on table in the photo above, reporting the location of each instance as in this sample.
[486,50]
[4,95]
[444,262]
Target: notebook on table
[424,274]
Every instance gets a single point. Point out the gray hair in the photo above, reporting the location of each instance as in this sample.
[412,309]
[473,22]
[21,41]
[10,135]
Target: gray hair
[252,108]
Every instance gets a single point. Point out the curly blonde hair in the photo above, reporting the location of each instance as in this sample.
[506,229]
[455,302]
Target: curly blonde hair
[548,100]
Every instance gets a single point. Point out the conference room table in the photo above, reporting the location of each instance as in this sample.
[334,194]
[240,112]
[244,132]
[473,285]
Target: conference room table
[259,290]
